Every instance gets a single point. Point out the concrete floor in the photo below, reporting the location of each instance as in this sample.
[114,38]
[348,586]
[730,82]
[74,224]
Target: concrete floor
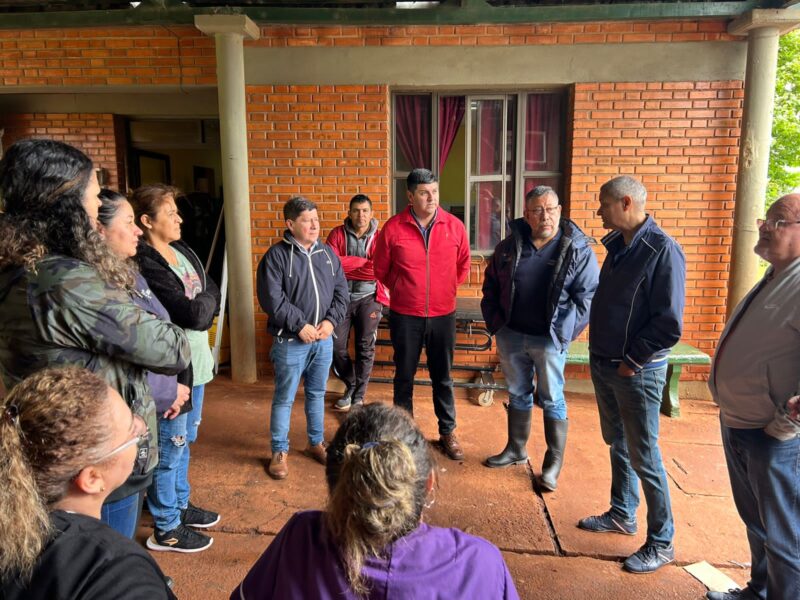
[549,557]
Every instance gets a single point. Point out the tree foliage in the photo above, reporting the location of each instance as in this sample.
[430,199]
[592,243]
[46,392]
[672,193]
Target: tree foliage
[784,159]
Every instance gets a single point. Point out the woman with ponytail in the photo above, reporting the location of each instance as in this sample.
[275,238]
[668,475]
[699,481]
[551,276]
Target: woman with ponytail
[371,542]
[64,296]
[67,440]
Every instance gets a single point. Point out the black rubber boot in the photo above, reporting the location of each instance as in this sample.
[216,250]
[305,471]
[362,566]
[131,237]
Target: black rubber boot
[515,453]
[555,434]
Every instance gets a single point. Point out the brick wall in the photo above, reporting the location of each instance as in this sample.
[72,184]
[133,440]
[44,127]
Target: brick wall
[323,142]
[161,55]
[681,140]
[495,35]
[94,133]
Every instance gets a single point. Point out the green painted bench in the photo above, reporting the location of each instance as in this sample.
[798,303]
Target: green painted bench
[681,354]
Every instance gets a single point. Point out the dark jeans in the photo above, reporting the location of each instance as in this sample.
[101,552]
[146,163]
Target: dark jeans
[364,316]
[764,476]
[629,420]
[438,335]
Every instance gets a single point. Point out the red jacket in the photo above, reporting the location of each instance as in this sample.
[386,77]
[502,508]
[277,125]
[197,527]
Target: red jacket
[357,268]
[423,281]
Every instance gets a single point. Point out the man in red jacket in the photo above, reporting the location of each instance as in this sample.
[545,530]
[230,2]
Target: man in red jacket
[354,244]
[422,255]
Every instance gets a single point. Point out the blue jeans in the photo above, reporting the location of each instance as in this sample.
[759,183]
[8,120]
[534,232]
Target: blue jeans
[629,420]
[162,497]
[764,476]
[123,515]
[292,360]
[193,418]
[521,357]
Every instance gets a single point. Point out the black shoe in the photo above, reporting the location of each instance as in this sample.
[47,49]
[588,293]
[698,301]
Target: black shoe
[555,434]
[608,523]
[745,594]
[194,516]
[515,452]
[649,558]
[180,539]
[169,581]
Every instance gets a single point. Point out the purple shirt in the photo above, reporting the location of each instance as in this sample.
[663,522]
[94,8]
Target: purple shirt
[430,562]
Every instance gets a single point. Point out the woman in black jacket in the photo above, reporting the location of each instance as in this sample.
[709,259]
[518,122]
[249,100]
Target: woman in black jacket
[176,276]
[67,440]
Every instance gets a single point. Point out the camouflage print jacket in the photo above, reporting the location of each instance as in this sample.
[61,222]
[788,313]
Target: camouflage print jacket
[63,314]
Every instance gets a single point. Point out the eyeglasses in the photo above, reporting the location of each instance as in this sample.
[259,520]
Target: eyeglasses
[774,223]
[539,212]
[139,438]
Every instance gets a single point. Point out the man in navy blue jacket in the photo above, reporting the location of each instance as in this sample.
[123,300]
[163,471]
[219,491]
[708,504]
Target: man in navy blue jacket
[302,288]
[537,290]
[636,318]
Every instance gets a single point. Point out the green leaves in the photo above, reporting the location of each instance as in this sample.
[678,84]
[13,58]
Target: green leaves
[784,160]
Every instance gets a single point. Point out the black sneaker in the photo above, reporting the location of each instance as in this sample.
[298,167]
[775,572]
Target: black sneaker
[343,404]
[180,539]
[649,558]
[199,518]
[608,523]
[733,594]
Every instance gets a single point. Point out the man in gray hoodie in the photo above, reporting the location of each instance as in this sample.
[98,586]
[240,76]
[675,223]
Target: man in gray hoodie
[753,379]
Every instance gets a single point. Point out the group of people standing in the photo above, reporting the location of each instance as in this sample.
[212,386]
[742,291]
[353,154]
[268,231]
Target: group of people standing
[541,288]
[91,279]
[106,360]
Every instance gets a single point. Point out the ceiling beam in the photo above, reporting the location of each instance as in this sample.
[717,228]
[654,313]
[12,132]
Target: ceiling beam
[470,12]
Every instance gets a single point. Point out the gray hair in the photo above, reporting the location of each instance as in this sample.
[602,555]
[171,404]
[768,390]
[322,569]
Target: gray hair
[624,185]
[539,191]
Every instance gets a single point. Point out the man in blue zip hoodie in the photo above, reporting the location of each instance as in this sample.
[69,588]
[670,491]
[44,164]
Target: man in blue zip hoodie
[537,290]
[302,288]
[636,318]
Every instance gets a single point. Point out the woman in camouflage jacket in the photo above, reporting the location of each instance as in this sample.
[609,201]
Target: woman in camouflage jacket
[64,296]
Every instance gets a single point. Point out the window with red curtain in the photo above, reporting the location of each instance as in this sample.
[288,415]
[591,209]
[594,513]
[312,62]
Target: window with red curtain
[493,191]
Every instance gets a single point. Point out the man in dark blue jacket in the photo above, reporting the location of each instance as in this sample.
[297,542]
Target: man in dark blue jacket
[636,318]
[537,290]
[302,288]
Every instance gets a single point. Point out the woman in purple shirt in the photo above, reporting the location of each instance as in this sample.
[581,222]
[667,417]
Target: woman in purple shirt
[371,541]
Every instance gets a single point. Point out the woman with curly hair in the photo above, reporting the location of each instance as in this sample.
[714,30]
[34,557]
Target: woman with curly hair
[371,541]
[64,296]
[67,440]
[117,226]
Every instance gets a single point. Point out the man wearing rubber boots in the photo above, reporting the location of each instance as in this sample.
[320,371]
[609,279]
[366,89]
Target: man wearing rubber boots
[537,291]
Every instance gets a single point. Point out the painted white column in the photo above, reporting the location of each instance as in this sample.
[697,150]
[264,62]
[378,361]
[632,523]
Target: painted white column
[763,29]
[229,32]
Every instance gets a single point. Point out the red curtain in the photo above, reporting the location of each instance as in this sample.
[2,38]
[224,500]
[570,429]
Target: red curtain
[451,113]
[542,143]
[491,120]
[413,129]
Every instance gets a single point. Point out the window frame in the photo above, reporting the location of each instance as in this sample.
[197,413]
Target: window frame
[397,203]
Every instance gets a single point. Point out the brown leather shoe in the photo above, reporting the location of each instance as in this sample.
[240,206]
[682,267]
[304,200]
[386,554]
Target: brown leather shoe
[451,447]
[278,465]
[319,452]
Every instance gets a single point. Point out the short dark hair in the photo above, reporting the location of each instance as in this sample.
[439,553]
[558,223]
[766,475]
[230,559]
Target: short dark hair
[360,199]
[297,205]
[418,176]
